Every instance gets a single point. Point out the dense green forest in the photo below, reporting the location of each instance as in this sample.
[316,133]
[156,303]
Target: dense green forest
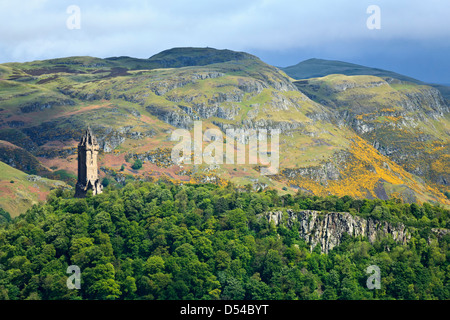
[158,240]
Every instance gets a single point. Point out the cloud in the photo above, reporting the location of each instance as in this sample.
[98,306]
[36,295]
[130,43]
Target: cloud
[36,29]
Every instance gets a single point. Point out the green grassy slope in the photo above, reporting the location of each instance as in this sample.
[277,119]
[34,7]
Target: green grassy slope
[19,190]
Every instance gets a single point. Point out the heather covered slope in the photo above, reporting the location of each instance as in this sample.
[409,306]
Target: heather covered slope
[133,105]
[406,122]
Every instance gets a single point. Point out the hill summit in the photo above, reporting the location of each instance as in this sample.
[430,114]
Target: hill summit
[186,57]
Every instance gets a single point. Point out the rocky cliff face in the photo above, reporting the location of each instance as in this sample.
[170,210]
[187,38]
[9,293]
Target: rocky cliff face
[327,230]
[401,120]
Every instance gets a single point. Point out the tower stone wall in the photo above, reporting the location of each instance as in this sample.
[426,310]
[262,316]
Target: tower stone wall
[87,166]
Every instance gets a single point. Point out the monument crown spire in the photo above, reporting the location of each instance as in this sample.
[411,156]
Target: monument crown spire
[88,138]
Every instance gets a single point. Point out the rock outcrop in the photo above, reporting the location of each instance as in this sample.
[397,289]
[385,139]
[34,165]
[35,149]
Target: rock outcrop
[327,229]
[39,106]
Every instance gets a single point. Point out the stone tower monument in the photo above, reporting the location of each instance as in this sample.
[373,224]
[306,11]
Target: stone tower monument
[87,166]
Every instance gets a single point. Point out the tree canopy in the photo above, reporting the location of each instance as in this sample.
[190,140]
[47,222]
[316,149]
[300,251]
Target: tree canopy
[166,241]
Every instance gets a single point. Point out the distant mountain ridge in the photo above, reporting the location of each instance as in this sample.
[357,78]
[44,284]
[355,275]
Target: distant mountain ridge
[315,68]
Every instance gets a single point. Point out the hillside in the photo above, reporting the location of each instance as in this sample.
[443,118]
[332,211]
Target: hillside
[406,122]
[133,106]
[19,191]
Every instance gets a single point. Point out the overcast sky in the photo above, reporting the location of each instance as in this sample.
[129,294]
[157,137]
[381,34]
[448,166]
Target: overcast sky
[414,38]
